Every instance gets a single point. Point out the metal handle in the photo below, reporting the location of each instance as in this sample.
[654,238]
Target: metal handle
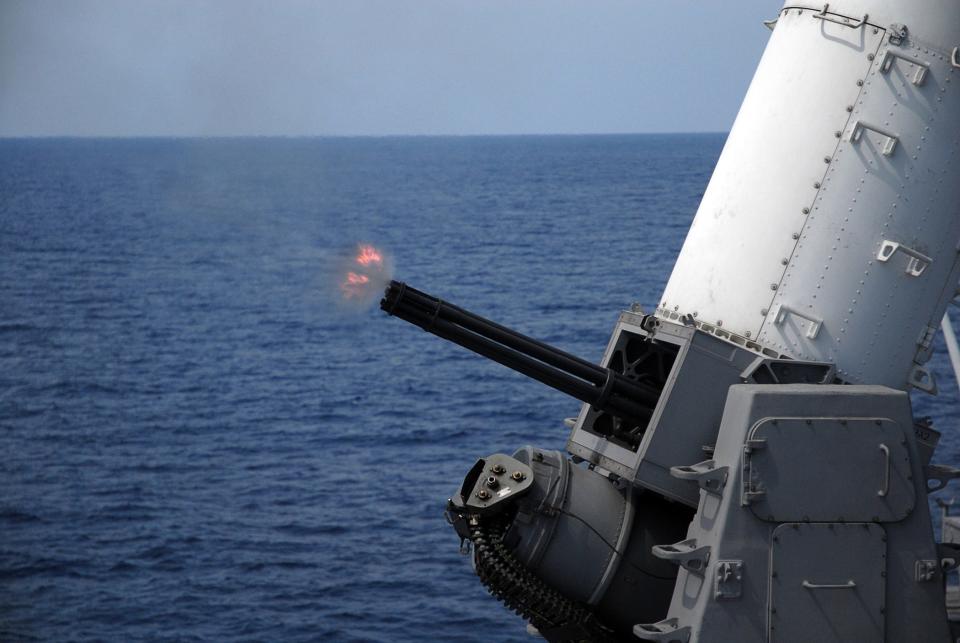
[915,266]
[922,67]
[815,323]
[886,471]
[857,133]
[848,585]
[840,21]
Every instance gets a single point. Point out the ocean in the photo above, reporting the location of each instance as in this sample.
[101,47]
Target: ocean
[200,444]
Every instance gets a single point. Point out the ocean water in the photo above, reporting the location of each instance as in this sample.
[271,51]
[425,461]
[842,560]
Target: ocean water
[199,444]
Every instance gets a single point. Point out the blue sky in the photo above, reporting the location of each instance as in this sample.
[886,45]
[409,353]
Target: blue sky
[375,67]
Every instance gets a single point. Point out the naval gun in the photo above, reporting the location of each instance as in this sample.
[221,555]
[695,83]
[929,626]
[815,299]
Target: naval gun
[629,400]
[746,465]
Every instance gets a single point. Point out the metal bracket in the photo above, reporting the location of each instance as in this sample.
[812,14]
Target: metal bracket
[783,310]
[922,68]
[941,473]
[686,554]
[707,474]
[949,555]
[666,631]
[955,57]
[838,20]
[896,33]
[918,261]
[728,580]
[921,378]
[857,133]
[771,24]
[925,571]
[769,370]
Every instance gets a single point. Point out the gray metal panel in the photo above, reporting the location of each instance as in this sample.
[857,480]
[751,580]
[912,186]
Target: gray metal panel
[915,609]
[789,475]
[689,413]
[827,583]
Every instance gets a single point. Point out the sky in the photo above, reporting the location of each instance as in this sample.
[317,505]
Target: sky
[375,67]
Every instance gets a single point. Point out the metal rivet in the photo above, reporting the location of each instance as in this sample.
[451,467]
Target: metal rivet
[859,83]
[796,235]
[827,159]
[817,185]
[806,210]
[870,56]
[849,108]
[773,286]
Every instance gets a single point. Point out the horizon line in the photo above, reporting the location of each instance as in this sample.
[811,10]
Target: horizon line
[343,136]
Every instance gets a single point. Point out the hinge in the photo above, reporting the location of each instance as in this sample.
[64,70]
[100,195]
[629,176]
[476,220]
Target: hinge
[728,581]
[896,33]
[925,571]
[926,337]
[750,489]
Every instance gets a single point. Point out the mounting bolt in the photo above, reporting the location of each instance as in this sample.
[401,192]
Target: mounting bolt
[806,210]
[492,482]
[498,469]
[518,476]
[483,494]
[870,56]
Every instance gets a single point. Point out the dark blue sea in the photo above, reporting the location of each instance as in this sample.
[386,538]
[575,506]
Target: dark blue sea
[198,444]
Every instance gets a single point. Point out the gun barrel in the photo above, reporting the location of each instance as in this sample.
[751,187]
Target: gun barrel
[601,387]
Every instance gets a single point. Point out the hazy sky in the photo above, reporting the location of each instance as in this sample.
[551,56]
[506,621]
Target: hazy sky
[371,67]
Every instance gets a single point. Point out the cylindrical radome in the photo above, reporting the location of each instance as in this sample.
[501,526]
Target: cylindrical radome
[830,228]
